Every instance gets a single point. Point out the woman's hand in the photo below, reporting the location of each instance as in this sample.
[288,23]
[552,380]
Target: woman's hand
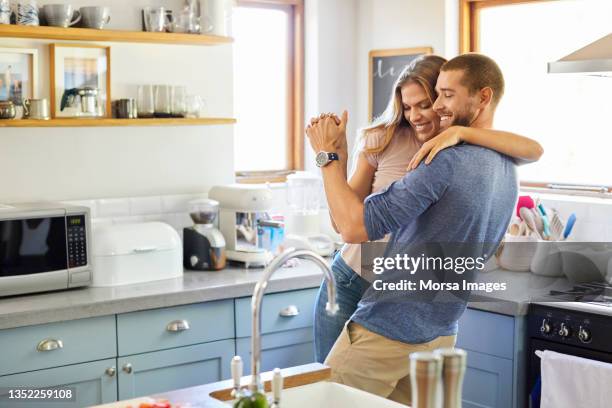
[449,137]
[328,133]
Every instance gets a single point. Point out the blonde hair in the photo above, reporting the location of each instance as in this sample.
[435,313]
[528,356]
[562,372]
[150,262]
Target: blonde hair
[424,71]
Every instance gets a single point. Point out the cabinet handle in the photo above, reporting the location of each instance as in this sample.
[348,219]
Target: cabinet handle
[289,311]
[111,371]
[127,368]
[49,345]
[177,326]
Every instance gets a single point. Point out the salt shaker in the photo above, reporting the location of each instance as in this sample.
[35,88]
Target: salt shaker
[425,372]
[453,371]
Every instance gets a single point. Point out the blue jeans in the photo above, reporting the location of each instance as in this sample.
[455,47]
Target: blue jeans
[349,290]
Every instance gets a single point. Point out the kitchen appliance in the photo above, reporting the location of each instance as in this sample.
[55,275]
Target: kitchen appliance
[303,225]
[134,253]
[36,109]
[203,244]
[242,208]
[593,59]
[43,247]
[85,101]
[581,329]
[7,110]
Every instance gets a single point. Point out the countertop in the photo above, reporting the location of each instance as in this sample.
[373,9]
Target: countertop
[232,282]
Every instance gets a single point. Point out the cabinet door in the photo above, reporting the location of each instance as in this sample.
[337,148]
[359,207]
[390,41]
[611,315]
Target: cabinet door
[487,382]
[89,382]
[285,349]
[166,370]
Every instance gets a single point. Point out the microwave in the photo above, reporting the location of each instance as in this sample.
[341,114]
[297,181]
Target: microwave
[44,247]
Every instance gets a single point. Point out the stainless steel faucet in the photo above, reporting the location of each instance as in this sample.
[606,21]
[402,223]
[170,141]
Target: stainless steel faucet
[331,307]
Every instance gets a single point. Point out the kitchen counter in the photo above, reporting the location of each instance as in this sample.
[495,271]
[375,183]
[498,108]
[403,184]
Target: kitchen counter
[232,282]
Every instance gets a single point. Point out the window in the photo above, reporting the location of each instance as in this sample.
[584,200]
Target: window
[268,90]
[566,113]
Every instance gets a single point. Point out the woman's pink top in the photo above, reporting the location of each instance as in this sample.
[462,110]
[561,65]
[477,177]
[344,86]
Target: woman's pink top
[390,165]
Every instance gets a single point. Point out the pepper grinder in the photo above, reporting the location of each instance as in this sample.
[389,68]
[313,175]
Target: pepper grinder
[453,370]
[425,371]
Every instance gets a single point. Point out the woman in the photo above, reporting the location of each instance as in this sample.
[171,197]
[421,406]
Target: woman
[407,132]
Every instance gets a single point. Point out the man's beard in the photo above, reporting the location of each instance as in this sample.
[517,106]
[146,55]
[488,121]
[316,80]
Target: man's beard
[464,118]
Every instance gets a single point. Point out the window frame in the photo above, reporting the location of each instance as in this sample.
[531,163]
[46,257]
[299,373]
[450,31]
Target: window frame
[295,96]
[469,28]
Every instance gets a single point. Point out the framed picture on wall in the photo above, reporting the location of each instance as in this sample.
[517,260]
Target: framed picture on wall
[18,74]
[384,69]
[80,78]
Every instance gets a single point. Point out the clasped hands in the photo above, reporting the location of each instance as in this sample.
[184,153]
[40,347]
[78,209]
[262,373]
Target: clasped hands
[327,133]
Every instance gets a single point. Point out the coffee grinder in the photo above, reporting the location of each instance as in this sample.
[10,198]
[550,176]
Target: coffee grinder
[203,244]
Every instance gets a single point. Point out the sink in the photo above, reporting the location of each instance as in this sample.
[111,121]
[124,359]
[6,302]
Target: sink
[330,394]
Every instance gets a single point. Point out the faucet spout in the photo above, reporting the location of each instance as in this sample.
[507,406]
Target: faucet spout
[260,288]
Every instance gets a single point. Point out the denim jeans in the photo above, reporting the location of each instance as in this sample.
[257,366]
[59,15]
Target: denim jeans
[349,290]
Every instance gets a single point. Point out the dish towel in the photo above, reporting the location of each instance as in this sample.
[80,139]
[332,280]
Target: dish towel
[574,382]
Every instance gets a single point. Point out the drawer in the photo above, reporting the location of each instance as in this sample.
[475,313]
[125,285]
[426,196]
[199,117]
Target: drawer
[273,306]
[151,330]
[82,340]
[486,332]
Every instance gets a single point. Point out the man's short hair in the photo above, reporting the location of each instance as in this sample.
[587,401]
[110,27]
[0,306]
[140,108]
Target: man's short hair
[479,71]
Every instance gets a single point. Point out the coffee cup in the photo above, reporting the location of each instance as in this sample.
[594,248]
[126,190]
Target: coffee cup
[36,109]
[27,13]
[61,15]
[95,17]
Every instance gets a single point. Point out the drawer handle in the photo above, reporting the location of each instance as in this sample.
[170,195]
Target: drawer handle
[176,326]
[49,345]
[127,368]
[289,311]
[144,250]
[111,371]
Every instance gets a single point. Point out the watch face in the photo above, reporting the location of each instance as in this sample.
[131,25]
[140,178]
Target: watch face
[322,159]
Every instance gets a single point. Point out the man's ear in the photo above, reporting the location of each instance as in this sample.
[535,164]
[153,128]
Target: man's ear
[485,96]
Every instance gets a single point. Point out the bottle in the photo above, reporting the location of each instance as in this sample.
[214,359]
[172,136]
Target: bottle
[453,370]
[425,371]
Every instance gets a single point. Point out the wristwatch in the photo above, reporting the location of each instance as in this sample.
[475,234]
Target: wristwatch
[324,158]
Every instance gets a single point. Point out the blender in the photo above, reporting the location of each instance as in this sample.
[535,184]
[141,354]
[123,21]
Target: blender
[203,244]
[304,192]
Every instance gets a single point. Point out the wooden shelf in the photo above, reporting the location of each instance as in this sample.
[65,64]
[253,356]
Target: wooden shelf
[106,122]
[89,34]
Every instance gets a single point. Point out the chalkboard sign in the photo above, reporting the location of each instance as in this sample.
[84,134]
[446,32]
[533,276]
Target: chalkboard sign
[385,66]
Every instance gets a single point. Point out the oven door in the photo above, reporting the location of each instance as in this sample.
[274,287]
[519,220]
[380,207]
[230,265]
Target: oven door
[34,245]
[542,345]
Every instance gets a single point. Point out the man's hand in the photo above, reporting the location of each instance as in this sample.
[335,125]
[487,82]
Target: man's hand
[449,137]
[327,133]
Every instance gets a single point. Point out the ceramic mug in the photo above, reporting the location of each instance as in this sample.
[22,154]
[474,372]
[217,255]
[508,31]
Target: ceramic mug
[60,15]
[36,109]
[95,17]
[5,12]
[27,13]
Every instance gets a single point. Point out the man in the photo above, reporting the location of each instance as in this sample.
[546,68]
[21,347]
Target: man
[466,195]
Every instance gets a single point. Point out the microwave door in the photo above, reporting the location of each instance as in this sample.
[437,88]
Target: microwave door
[33,245]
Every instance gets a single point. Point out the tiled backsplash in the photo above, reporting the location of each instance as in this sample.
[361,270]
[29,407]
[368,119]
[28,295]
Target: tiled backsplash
[171,209]
[594,215]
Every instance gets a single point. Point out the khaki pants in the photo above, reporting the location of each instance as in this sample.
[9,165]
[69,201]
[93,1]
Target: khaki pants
[373,363]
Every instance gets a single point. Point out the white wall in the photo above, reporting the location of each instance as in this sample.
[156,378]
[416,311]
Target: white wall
[79,163]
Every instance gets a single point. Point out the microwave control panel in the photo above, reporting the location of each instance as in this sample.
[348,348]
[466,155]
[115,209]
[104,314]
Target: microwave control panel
[77,241]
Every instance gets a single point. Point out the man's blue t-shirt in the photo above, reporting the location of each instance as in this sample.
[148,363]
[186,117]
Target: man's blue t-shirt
[465,195]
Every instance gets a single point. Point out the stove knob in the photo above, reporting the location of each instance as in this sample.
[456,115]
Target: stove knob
[564,330]
[584,335]
[545,328]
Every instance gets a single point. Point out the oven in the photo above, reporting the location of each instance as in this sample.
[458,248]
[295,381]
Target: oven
[586,334]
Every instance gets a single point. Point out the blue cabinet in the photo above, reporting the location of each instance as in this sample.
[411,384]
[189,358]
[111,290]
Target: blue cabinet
[285,349]
[92,384]
[495,366]
[166,370]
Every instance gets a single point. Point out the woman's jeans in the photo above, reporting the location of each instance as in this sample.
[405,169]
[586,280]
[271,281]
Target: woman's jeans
[349,290]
